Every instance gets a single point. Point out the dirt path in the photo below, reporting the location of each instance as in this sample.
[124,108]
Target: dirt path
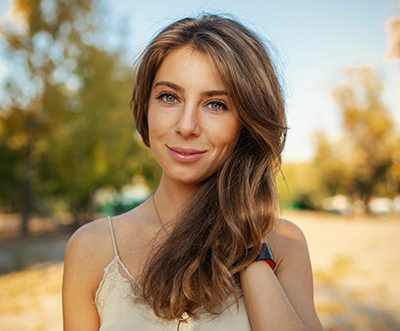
[356,267]
[356,264]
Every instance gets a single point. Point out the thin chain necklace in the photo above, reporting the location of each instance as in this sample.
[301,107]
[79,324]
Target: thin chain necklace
[155,208]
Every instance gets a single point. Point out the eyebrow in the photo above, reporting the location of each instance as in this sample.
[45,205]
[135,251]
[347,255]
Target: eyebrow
[214,92]
[169,84]
[180,89]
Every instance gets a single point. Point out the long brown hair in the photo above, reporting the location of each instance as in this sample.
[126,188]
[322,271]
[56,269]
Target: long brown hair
[197,266]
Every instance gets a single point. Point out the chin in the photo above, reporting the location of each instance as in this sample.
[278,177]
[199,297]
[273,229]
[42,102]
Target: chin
[189,179]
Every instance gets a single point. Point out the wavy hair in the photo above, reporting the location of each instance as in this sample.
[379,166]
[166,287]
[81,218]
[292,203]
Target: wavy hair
[196,267]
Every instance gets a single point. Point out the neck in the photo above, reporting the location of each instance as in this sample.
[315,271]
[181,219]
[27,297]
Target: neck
[171,198]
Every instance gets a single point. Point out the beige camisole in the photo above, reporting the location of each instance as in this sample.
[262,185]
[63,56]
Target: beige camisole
[120,310]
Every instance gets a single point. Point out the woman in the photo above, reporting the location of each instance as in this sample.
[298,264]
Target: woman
[194,256]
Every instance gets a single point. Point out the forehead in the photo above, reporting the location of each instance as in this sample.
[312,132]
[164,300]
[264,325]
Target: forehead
[187,64]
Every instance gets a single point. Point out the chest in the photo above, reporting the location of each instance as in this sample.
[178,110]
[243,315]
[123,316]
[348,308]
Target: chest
[120,309]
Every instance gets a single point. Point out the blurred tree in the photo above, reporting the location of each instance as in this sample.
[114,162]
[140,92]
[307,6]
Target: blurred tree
[298,189]
[366,159]
[393,51]
[92,147]
[330,169]
[65,127]
[359,165]
[10,167]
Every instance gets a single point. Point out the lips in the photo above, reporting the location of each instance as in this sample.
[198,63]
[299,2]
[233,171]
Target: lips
[185,154]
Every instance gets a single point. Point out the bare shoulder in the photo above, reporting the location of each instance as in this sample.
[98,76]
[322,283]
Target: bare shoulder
[91,249]
[88,252]
[91,240]
[94,239]
[285,233]
[288,244]
[286,230]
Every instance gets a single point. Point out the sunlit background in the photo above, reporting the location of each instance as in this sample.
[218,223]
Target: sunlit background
[69,152]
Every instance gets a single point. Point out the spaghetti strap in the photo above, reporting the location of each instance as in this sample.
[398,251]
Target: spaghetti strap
[112,235]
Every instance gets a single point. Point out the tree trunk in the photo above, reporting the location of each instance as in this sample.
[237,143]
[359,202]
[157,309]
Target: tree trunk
[27,188]
[80,212]
[367,199]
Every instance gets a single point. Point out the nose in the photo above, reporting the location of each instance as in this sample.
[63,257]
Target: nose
[188,122]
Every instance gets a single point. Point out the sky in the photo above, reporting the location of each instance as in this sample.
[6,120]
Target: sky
[314,39]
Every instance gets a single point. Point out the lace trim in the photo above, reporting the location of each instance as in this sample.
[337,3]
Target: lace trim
[118,276]
[113,278]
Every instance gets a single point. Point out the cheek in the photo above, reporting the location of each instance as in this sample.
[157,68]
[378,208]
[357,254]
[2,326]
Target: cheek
[155,124]
[151,129]
[229,134]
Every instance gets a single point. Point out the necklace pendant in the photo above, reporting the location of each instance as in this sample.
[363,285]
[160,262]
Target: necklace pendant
[183,324]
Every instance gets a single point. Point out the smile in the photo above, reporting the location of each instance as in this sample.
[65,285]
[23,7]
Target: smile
[185,154]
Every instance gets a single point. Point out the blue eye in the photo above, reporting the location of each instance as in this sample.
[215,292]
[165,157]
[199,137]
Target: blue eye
[217,105]
[170,98]
[167,97]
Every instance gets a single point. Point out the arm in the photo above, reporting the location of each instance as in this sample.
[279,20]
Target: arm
[82,275]
[282,300]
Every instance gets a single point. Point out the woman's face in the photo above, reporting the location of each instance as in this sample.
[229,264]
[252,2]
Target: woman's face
[193,124]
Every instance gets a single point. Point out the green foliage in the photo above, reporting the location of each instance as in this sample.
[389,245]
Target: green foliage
[92,146]
[364,162]
[297,186]
[65,125]
[358,165]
